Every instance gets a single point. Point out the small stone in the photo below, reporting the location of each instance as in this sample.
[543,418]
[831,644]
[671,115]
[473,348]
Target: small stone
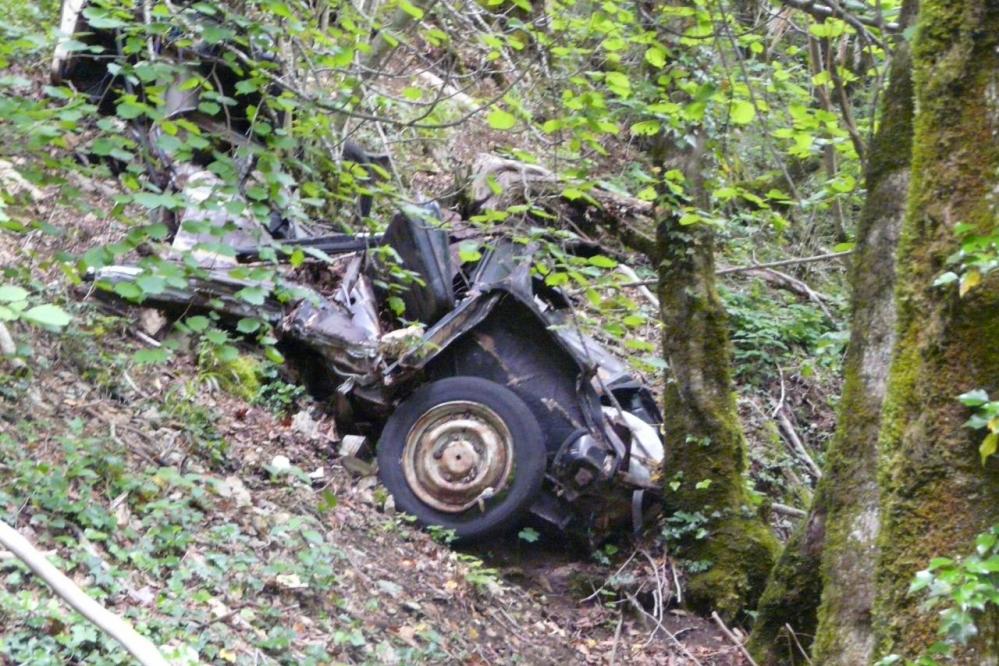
[305,425]
[281,463]
[152,321]
[389,588]
[234,488]
[351,445]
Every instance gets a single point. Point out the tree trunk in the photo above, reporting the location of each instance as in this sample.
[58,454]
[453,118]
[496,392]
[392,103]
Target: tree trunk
[705,446]
[936,494]
[830,556]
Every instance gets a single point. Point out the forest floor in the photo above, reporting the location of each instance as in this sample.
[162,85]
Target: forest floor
[232,533]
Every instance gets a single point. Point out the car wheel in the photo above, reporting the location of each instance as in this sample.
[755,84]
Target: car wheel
[463,453]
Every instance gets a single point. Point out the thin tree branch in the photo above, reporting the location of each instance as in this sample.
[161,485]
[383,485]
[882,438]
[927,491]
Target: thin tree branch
[858,22]
[784,262]
[139,647]
[728,634]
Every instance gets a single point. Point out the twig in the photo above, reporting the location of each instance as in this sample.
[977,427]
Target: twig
[794,637]
[617,638]
[858,22]
[784,262]
[797,444]
[780,403]
[788,510]
[149,340]
[659,625]
[138,646]
[752,267]
[629,272]
[735,641]
[619,570]
[792,284]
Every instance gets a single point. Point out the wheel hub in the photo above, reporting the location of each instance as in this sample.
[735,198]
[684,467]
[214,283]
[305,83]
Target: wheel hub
[456,454]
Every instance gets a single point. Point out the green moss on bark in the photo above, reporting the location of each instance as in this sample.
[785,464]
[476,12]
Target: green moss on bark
[791,597]
[936,495]
[704,440]
[823,587]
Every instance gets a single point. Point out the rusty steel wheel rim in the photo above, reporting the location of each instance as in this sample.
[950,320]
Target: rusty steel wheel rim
[457,454]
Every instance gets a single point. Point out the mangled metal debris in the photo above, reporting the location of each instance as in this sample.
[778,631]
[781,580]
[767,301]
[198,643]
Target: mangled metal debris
[493,406]
[488,404]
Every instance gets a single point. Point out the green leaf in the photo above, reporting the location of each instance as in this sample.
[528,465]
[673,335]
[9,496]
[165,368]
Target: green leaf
[11,293]
[743,112]
[469,252]
[397,305]
[656,56]
[618,83]
[945,278]
[975,398]
[130,111]
[252,295]
[128,290]
[501,120]
[646,128]
[197,323]
[47,315]
[411,9]
[273,355]
[151,284]
[528,534]
[327,501]
[247,325]
[151,356]
[989,446]
[600,261]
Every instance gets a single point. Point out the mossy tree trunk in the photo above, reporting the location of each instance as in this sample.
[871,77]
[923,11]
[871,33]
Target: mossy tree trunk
[936,494]
[830,556]
[705,445]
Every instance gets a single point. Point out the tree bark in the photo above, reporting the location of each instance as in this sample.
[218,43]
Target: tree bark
[830,556]
[936,495]
[705,445]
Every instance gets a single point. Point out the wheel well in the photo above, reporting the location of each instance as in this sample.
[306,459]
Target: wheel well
[513,348]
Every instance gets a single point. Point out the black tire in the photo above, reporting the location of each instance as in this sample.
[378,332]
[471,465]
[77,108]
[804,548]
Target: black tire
[526,447]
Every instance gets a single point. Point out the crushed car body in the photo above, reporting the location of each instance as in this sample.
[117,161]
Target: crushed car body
[488,402]
[596,425]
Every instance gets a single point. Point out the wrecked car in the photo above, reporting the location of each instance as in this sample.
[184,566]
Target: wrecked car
[488,403]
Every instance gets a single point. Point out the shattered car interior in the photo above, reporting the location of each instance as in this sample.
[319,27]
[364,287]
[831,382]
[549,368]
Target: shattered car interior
[487,401]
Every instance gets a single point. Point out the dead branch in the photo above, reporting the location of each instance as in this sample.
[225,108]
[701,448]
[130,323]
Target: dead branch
[794,637]
[797,444]
[659,626]
[629,272]
[788,510]
[735,641]
[792,284]
[858,22]
[783,262]
[625,217]
[139,647]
